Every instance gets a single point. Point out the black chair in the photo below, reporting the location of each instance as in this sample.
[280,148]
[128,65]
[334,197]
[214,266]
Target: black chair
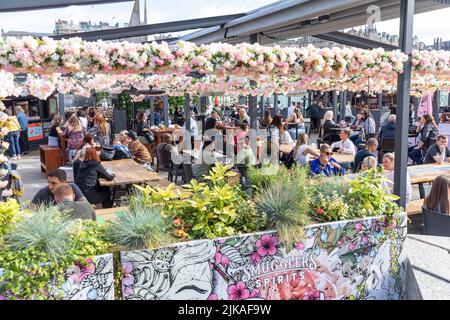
[176,170]
[188,174]
[387,145]
[436,224]
[163,162]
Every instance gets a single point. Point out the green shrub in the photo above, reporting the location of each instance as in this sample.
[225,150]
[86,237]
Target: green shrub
[141,228]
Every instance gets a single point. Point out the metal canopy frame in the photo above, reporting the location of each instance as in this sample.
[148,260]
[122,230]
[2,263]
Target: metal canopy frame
[351,40]
[149,29]
[301,18]
[26,5]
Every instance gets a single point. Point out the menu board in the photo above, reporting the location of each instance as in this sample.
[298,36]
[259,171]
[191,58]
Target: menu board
[35,131]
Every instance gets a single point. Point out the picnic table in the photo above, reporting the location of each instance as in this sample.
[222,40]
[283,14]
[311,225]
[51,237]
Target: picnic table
[426,173]
[127,172]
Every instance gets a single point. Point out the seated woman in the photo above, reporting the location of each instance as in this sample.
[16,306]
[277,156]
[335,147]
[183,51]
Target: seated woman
[74,133]
[87,179]
[302,152]
[295,123]
[88,142]
[438,199]
[388,165]
[326,164]
[55,132]
[267,119]
[100,130]
[329,135]
[285,137]
[142,128]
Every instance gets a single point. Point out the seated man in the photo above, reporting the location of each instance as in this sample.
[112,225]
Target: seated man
[213,122]
[326,164]
[55,179]
[387,131]
[345,145]
[65,198]
[166,144]
[438,152]
[138,150]
[369,151]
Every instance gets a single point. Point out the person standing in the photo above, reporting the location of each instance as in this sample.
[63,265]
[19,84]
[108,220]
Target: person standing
[13,126]
[23,120]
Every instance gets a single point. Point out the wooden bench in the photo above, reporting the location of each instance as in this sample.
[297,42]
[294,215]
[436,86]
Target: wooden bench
[414,207]
[109,214]
[50,158]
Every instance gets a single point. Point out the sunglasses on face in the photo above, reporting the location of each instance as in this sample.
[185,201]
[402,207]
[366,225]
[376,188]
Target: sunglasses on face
[328,153]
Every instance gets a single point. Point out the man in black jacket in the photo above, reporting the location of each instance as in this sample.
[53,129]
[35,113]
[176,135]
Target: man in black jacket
[387,130]
[369,151]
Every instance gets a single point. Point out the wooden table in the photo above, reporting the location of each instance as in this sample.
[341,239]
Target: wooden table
[340,129]
[160,132]
[427,172]
[128,172]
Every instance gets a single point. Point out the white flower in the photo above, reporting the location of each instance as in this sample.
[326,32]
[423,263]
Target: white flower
[7,193]
[3,184]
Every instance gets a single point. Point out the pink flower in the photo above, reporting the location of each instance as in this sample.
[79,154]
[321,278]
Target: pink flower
[365,240]
[352,246]
[267,245]
[254,293]
[128,292]
[256,257]
[299,246]
[238,291]
[128,278]
[358,227]
[221,258]
[213,297]
[311,295]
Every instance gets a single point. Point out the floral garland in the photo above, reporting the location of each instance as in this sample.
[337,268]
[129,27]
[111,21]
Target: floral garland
[118,66]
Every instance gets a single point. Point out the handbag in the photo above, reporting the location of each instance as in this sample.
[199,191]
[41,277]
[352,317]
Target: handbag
[107,153]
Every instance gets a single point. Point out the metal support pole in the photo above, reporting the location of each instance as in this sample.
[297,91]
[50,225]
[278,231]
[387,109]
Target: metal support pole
[187,121]
[275,104]
[151,100]
[166,110]
[335,108]
[253,100]
[403,95]
[61,104]
[416,108]
[261,106]
[436,105]
[342,96]
[380,100]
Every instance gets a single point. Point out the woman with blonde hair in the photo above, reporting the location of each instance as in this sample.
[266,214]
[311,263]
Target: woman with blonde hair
[328,124]
[100,130]
[388,165]
[295,123]
[438,200]
[369,163]
[74,133]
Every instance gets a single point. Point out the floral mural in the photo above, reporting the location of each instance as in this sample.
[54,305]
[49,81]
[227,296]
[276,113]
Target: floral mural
[360,259]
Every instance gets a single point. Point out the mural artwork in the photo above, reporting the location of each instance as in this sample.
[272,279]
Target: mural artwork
[92,282]
[360,259]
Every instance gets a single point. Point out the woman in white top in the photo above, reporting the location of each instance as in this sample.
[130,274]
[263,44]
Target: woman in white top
[285,137]
[301,150]
[388,165]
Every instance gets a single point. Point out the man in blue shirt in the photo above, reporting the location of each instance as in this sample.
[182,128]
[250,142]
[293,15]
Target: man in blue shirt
[23,121]
[326,164]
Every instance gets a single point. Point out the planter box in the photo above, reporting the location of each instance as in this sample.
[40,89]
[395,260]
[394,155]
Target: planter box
[358,259]
[95,282]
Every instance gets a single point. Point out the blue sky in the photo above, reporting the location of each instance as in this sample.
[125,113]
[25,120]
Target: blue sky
[427,26]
